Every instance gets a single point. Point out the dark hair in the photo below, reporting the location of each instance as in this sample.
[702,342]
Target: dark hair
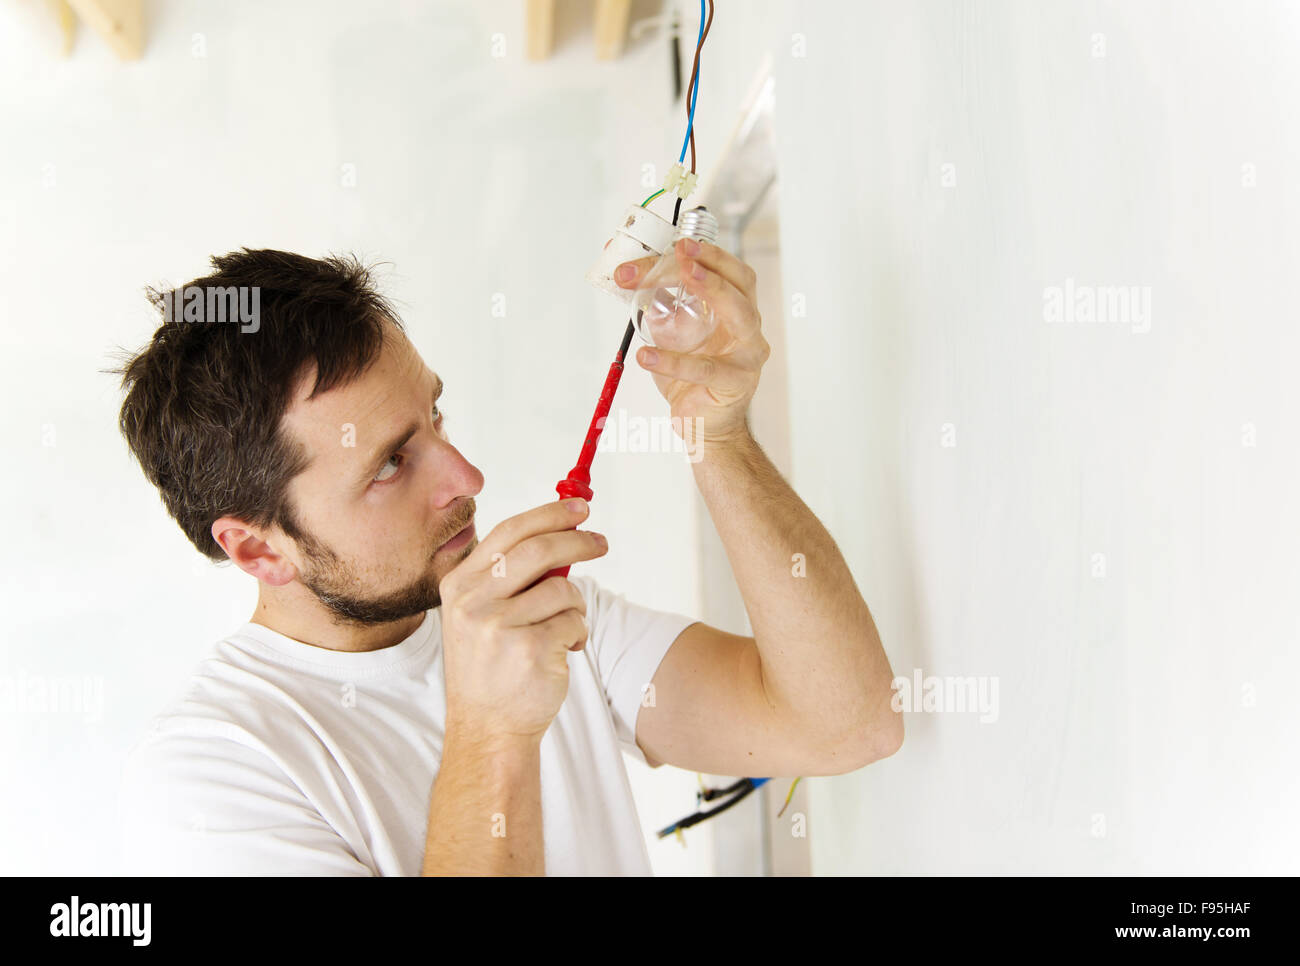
[204,399]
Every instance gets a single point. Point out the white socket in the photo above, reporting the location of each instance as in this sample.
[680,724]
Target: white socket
[642,233]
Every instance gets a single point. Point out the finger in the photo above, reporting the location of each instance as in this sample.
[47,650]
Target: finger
[722,262]
[534,557]
[712,257]
[509,533]
[552,596]
[566,631]
[704,370]
[734,307]
[638,267]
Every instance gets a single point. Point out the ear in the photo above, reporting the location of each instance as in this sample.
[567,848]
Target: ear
[251,553]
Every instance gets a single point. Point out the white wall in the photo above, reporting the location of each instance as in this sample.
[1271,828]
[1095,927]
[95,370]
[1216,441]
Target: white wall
[475,175]
[1127,696]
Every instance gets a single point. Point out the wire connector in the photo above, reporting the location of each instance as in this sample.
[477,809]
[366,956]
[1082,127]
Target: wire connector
[680,181]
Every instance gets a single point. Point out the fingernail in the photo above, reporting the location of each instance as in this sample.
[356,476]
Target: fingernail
[625,273]
[578,505]
[690,246]
[697,270]
[649,357]
[600,539]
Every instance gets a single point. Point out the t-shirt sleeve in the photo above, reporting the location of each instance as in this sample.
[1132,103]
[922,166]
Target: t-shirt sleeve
[212,806]
[627,642]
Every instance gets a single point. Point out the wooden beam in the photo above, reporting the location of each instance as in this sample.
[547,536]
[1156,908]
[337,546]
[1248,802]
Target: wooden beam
[539,26]
[120,22]
[67,23]
[611,27]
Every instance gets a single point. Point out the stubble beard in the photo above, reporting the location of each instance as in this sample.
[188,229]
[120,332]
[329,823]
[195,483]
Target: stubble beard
[334,582]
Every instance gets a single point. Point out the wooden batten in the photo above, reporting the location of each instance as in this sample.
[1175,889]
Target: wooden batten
[120,22]
[611,27]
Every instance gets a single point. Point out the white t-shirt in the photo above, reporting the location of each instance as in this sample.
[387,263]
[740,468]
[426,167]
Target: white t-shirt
[282,758]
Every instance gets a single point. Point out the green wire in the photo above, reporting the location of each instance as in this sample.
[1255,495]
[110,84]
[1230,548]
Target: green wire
[653,197]
[788,797]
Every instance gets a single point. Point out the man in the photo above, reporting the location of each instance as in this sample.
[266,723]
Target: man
[408,699]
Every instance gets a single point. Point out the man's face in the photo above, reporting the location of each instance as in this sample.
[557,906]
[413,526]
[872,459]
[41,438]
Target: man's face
[383,492]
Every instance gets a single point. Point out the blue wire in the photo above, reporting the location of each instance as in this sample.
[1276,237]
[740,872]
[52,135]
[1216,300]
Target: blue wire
[695,94]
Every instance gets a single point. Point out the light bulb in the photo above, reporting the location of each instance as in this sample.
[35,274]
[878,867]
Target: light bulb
[668,316]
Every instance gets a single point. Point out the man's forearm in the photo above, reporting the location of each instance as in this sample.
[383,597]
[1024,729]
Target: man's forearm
[485,813]
[822,662]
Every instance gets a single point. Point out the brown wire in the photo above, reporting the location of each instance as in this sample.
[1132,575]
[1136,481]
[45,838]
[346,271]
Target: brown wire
[695,72]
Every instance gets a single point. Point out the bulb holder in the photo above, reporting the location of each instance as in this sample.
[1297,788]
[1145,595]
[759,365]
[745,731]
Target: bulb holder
[641,234]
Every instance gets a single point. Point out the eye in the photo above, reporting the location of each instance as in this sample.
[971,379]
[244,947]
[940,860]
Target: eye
[394,462]
[384,476]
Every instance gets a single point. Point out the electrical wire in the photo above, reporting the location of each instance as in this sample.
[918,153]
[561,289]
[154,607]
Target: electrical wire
[694,92]
[675,52]
[746,787]
[709,794]
[789,796]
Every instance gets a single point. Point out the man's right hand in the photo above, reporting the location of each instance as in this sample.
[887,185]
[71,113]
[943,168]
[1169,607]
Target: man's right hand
[505,642]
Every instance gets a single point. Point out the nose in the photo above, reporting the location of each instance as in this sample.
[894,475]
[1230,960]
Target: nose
[457,477]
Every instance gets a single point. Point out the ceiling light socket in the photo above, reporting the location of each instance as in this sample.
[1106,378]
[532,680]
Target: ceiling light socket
[640,234]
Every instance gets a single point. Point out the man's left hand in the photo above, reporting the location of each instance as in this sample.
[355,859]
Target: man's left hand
[709,388]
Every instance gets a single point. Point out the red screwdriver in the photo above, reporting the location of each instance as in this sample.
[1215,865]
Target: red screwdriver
[578,482]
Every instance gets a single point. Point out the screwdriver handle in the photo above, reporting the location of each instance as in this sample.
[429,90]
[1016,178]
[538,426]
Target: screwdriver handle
[572,485]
